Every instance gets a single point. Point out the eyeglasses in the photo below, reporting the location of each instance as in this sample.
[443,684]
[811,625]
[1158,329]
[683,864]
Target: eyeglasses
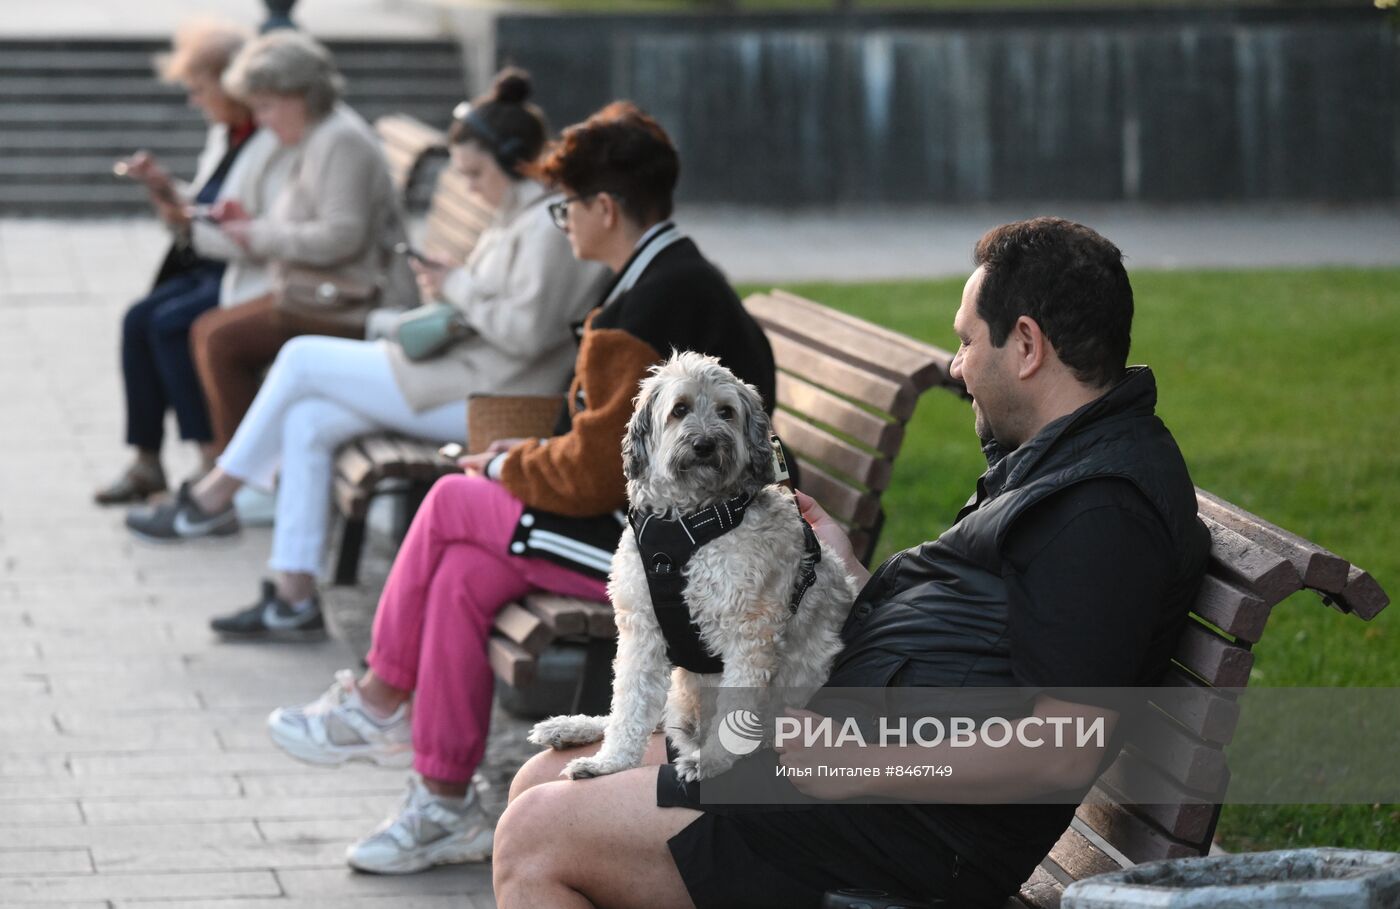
[559,211]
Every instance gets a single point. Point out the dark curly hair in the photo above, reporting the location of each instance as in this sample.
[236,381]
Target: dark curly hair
[622,151]
[1071,281]
[504,123]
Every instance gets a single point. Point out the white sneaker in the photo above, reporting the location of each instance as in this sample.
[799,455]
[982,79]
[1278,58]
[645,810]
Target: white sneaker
[426,831]
[336,728]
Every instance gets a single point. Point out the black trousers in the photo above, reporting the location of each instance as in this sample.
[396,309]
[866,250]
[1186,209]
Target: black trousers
[157,367]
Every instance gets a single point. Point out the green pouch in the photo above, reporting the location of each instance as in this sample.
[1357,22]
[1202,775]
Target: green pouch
[429,330]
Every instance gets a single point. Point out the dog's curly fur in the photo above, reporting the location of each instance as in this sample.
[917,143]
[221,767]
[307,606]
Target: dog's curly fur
[697,436]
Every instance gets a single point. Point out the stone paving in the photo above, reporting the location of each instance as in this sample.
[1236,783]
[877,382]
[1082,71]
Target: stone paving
[133,764]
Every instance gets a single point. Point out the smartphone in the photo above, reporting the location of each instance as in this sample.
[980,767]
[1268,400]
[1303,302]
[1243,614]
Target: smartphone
[202,213]
[452,451]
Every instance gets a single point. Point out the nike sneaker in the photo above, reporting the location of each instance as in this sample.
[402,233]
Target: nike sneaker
[273,618]
[181,519]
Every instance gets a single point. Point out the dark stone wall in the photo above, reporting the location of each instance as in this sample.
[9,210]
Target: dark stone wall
[1151,105]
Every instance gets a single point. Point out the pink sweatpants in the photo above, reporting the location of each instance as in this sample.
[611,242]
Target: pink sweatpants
[453,574]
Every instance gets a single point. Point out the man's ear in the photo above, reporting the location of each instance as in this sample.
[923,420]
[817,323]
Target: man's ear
[1031,346]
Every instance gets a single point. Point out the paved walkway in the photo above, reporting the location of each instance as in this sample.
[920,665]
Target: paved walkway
[133,763]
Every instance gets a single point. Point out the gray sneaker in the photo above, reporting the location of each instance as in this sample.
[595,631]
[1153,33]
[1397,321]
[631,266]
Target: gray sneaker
[181,519]
[425,831]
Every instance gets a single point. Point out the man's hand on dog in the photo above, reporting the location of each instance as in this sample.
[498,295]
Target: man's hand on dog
[832,534]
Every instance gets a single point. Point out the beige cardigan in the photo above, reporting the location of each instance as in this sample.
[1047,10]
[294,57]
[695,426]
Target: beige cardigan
[520,291]
[338,210]
[255,180]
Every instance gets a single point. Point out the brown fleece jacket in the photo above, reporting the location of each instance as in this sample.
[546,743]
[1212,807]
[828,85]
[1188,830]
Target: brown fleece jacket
[579,474]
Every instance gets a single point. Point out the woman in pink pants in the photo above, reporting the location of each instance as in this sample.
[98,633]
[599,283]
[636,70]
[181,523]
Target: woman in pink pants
[536,514]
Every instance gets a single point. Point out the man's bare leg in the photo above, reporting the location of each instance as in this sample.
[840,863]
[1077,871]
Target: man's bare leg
[546,766]
[584,843]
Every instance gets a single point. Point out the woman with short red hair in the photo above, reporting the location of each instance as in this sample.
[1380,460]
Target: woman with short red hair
[539,514]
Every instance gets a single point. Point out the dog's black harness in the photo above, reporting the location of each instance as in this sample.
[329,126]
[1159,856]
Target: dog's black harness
[666,545]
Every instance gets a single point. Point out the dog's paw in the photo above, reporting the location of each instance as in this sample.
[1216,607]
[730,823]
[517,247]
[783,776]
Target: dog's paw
[560,732]
[688,768]
[585,768]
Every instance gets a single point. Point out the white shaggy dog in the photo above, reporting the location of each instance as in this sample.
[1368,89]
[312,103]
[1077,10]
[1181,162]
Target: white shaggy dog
[698,437]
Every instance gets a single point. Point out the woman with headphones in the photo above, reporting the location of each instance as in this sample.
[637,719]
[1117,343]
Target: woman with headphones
[515,301]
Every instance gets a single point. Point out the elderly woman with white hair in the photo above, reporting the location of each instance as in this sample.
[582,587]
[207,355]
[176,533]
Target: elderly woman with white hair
[337,215]
[203,269]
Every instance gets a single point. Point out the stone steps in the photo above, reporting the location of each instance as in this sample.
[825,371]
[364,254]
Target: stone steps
[70,107]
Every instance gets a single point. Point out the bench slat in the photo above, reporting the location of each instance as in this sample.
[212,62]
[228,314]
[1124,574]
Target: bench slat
[1213,658]
[1209,713]
[1138,840]
[1078,858]
[524,628]
[448,240]
[1230,607]
[843,501]
[1180,814]
[1362,595]
[1270,576]
[865,427]
[1194,764]
[385,454]
[562,615]
[811,442]
[354,465]
[602,623]
[1318,568]
[510,662]
[1041,891]
[882,351]
[351,499]
[894,398]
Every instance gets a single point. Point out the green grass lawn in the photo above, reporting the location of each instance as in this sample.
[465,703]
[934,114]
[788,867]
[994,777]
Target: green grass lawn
[1283,390]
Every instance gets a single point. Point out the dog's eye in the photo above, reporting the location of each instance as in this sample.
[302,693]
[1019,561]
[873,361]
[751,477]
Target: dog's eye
[726,413]
[680,410]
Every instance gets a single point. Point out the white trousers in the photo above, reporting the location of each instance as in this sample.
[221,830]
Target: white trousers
[320,393]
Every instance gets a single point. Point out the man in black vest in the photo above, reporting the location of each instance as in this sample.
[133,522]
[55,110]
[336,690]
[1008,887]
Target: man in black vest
[1072,566]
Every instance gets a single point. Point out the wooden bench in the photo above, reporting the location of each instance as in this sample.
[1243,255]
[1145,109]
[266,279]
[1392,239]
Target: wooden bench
[410,145]
[1179,757]
[375,464]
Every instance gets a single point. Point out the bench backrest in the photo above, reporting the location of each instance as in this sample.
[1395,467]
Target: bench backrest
[408,143]
[846,388]
[456,218]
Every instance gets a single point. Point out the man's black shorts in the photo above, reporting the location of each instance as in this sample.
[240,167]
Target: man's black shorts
[778,856]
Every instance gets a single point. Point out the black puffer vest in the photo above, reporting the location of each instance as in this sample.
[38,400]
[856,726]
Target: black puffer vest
[936,615]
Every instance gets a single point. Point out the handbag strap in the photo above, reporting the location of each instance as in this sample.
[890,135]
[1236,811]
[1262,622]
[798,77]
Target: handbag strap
[658,243]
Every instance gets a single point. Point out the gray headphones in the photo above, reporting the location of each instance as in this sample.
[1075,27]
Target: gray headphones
[508,153]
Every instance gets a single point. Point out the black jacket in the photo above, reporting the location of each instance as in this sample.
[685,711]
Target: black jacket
[572,486]
[937,614]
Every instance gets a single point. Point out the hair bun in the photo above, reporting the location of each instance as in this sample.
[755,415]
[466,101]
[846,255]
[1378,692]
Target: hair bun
[511,86]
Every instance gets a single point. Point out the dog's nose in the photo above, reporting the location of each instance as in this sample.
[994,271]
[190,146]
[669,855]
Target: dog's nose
[703,447]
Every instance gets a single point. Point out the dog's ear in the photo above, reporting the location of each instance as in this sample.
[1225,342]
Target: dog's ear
[757,430]
[636,454]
